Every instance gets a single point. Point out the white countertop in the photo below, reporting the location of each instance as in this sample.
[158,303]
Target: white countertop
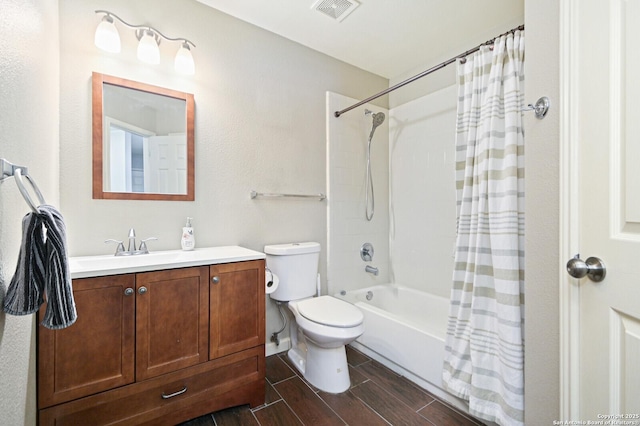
[97,266]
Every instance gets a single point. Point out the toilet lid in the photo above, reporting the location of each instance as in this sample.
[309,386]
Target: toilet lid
[330,311]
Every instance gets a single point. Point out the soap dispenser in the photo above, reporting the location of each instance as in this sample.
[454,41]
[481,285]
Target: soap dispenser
[188,241]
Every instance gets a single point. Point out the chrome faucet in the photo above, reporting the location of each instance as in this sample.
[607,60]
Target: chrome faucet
[132,240]
[131,250]
[371,269]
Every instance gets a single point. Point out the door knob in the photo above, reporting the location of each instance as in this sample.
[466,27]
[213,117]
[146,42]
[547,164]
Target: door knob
[593,268]
[142,290]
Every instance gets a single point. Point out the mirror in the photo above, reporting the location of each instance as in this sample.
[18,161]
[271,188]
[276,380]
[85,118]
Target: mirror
[143,141]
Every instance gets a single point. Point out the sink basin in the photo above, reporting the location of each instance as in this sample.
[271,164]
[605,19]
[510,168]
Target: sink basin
[95,266]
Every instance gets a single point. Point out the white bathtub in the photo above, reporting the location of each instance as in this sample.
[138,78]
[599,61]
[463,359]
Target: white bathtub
[405,329]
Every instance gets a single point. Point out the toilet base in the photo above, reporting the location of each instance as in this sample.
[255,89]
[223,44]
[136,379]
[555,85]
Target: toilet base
[324,368]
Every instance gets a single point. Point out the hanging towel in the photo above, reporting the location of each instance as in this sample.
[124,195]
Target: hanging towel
[25,293]
[43,270]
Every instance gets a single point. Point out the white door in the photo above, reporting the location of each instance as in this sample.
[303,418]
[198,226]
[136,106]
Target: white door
[165,168]
[606,99]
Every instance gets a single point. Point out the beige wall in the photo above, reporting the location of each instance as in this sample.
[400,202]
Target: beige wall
[446,76]
[260,124]
[28,137]
[542,340]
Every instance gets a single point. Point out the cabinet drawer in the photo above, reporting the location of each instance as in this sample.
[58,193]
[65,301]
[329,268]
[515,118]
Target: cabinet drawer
[196,387]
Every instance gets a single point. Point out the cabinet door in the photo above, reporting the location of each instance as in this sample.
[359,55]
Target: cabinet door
[96,353]
[237,305]
[172,320]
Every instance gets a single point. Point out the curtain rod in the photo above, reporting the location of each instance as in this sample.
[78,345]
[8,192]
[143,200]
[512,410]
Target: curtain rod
[423,73]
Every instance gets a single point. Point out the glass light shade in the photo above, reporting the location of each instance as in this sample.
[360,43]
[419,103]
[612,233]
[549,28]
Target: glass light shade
[107,37]
[148,50]
[184,60]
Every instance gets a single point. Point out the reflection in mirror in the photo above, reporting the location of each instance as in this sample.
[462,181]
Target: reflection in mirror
[143,141]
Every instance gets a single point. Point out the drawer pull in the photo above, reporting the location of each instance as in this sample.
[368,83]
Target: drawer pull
[171,395]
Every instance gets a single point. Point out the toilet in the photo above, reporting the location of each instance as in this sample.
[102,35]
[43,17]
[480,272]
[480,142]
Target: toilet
[323,325]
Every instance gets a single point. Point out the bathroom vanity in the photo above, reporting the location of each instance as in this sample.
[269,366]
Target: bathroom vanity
[160,339]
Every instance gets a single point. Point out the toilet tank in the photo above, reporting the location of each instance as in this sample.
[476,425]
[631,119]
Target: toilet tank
[296,265]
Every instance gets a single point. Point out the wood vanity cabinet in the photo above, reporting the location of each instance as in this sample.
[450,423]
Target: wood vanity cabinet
[156,348]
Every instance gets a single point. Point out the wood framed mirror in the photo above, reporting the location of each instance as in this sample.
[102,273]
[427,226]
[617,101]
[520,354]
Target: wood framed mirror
[143,141]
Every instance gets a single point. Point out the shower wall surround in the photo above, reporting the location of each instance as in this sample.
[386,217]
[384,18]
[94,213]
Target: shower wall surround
[413,229]
[422,195]
[347,227]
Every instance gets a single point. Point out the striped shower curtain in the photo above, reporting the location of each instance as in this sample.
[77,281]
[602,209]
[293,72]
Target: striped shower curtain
[484,351]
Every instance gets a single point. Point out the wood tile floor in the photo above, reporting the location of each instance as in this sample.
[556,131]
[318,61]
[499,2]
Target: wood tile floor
[377,396]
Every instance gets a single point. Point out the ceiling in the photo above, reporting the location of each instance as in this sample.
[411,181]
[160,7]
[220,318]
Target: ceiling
[388,38]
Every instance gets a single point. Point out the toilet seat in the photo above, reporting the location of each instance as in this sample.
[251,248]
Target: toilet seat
[329,311]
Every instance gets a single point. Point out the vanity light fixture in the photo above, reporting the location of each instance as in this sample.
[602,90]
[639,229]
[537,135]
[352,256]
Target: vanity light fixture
[107,38]
[148,50]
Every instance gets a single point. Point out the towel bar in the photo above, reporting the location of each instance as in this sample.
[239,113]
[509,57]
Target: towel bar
[18,172]
[255,194]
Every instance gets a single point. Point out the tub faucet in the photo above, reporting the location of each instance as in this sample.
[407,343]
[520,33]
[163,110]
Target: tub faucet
[371,269]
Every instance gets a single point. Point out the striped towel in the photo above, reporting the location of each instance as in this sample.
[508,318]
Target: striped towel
[43,269]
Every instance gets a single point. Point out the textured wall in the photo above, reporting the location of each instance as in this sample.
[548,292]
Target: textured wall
[260,124]
[28,137]
[542,340]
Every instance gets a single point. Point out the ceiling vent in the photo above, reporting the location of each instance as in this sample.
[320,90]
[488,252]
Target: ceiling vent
[336,9]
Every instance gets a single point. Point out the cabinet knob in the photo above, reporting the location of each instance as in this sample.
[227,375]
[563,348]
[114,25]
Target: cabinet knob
[142,290]
[128,291]
[215,279]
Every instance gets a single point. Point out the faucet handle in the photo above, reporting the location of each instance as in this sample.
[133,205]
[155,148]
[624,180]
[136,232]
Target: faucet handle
[119,248]
[143,244]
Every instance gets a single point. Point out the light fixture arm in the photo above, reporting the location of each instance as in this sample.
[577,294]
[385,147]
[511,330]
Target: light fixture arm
[140,29]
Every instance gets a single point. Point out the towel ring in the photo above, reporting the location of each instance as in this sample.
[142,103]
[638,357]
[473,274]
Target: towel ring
[17,173]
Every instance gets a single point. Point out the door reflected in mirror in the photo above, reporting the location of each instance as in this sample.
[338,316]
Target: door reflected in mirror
[142,141]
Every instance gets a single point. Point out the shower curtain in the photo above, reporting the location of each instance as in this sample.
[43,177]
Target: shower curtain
[484,350]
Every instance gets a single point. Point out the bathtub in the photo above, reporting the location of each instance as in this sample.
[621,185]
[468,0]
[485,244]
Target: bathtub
[405,330]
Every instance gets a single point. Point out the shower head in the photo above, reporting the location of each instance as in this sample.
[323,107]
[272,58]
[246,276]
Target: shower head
[378,119]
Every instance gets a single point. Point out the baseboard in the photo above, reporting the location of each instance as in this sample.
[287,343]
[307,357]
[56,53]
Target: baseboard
[271,348]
